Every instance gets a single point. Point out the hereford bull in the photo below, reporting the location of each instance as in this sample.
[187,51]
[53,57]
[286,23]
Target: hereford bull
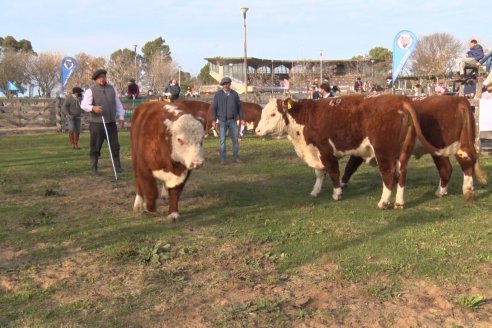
[448,124]
[167,143]
[252,116]
[382,127]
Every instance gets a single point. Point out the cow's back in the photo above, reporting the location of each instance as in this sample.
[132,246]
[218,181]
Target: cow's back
[199,109]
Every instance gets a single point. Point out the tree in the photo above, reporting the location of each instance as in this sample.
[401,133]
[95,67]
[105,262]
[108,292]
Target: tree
[121,68]
[44,71]
[158,46]
[9,42]
[380,53]
[159,72]
[435,55]
[13,68]
[204,76]
[82,76]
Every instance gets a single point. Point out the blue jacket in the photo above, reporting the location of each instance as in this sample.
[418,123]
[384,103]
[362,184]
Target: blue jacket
[227,107]
[476,52]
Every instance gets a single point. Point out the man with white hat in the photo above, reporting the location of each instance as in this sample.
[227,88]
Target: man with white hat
[226,108]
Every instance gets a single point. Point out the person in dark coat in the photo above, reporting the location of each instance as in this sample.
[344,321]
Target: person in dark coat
[172,90]
[73,111]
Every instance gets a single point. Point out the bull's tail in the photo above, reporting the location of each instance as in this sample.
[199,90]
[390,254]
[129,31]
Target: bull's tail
[418,130]
[469,138]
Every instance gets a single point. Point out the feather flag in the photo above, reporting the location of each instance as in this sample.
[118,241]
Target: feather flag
[403,46]
[68,66]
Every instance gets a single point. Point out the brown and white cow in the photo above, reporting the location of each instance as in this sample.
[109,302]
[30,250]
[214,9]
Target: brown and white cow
[252,115]
[382,127]
[448,124]
[197,108]
[167,144]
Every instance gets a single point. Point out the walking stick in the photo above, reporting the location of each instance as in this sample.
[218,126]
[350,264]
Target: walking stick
[109,147]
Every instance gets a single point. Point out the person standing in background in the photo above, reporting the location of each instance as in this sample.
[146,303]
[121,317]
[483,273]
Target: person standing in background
[71,107]
[226,108]
[172,90]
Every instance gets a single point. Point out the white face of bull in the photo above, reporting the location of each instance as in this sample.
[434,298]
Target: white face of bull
[187,141]
[271,121]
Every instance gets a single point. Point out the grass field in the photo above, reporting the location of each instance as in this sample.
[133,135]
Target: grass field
[252,248]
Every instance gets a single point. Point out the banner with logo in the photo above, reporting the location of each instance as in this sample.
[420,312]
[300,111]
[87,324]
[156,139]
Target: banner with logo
[403,46]
[68,66]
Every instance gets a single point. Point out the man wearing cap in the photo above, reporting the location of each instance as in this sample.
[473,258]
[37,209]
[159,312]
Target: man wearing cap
[71,108]
[101,99]
[226,108]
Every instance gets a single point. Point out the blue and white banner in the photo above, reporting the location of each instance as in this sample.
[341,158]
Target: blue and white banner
[403,46]
[68,66]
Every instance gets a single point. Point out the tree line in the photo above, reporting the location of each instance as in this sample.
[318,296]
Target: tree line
[435,55]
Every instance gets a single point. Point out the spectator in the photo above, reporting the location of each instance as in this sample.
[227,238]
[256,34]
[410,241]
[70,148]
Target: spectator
[132,90]
[470,88]
[389,82]
[314,93]
[188,92]
[472,57]
[101,100]
[71,107]
[325,90]
[226,108]
[487,59]
[488,93]
[440,88]
[172,90]
[315,84]
[358,85]
[286,85]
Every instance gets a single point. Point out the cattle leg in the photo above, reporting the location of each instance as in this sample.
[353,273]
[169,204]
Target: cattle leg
[445,170]
[320,176]
[467,164]
[402,177]
[387,171]
[352,165]
[173,197]
[331,165]
[146,193]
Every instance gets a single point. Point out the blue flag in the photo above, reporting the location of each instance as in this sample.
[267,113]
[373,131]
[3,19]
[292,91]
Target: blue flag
[403,46]
[68,66]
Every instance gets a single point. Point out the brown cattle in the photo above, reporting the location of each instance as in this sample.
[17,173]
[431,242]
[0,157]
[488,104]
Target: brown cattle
[167,143]
[252,114]
[381,127]
[447,123]
[199,109]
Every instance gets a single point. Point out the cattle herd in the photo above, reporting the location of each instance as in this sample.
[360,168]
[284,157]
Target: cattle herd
[167,141]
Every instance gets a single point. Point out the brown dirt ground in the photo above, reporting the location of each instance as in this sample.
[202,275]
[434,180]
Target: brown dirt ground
[224,287]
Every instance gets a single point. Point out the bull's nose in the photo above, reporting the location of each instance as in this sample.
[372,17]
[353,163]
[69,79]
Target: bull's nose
[196,164]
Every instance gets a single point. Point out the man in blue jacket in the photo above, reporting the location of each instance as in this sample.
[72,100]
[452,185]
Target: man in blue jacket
[226,108]
[472,57]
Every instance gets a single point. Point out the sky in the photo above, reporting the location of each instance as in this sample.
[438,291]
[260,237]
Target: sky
[279,30]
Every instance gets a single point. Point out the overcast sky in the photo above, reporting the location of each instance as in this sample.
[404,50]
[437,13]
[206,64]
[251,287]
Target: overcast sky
[196,29]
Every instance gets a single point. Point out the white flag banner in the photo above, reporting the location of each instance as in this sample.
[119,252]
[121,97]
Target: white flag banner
[485,118]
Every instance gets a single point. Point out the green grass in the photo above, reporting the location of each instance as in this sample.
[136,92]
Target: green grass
[254,224]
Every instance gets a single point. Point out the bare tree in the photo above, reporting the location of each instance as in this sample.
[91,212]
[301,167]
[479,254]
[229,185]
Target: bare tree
[160,71]
[44,71]
[13,67]
[86,65]
[435,55]
[121,68]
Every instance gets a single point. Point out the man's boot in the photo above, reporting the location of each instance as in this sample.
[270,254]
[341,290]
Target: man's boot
[94,166]
[70,137]
[76,139]
[117,164]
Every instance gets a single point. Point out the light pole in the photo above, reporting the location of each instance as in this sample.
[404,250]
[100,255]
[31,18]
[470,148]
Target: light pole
[136,67]
[179,76]
[244,10]
[321,66]
[372,70]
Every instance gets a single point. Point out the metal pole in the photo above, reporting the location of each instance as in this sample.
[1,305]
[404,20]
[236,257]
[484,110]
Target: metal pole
[109,147]
[136,67]
[245,68]
[321,66]
[179,76]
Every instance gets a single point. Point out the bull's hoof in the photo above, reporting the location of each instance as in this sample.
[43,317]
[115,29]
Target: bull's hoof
[336,197]
[399,206]
[440,194]
[314,194]
[469,196]
[343,185]
[383,205]
[173,217]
